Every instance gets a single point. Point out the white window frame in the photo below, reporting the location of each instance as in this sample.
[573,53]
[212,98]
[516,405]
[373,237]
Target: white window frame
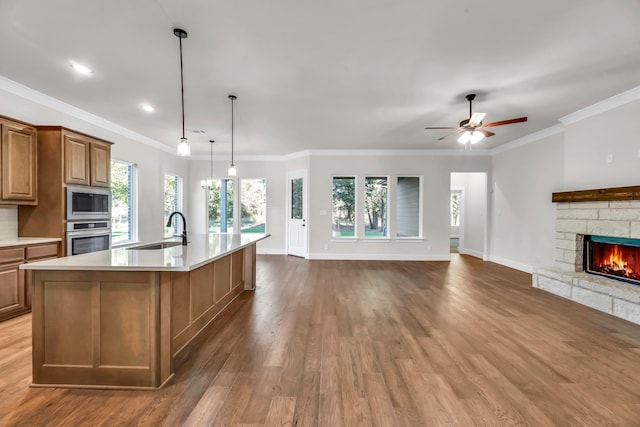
[357,203]
[420,208]
[363,209]
[266,201]
[134,203]
[179,204]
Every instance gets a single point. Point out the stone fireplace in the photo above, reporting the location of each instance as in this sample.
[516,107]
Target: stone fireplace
[588,227]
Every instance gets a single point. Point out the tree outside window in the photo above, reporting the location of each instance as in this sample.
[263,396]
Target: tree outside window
[344,207]
[375,204]
[122,227]
[220,206]
[172,202]
[253,205]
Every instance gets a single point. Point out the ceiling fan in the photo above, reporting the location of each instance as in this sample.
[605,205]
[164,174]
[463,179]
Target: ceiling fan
[472,130]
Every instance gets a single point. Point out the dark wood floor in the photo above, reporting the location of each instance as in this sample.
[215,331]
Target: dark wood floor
[349,343]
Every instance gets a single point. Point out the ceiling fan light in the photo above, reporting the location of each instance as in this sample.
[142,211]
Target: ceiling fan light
[184,148]
[465,137]
[476,137]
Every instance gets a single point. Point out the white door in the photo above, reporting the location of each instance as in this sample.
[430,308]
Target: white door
[297,214]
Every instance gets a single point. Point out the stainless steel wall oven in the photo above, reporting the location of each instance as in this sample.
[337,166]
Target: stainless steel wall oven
[85,237]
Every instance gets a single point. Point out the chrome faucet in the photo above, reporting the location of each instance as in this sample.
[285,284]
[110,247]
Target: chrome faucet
[184,226]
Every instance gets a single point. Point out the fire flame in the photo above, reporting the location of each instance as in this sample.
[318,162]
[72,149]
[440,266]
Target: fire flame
[616,262]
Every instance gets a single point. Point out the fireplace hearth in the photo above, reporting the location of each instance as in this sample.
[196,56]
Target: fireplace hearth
[614,257]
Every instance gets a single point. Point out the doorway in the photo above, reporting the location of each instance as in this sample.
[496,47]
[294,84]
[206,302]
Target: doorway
[297,230]
[468,227]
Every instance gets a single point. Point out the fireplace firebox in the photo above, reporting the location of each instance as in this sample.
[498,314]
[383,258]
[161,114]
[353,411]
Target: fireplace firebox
[614,257]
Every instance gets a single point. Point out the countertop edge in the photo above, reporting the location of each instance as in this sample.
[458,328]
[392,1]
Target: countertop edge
[51,265]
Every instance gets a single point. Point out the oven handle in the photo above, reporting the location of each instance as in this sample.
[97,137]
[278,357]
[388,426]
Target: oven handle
[80,233]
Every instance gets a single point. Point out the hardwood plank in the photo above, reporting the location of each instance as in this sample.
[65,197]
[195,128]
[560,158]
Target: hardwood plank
[344,343]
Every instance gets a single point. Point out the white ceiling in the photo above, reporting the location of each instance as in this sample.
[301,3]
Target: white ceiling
[324,74]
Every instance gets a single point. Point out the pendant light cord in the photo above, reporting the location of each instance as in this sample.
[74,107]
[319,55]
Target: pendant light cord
[232,99]
[181,85]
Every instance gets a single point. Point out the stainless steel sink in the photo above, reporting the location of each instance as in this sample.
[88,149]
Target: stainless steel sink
[159,245]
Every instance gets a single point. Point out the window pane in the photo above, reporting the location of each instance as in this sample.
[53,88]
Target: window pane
[375,207]
[253,205]
[296,198]
[121,202]
[344,207]
[455,208]
[221,206]
[408,205]
[172,203]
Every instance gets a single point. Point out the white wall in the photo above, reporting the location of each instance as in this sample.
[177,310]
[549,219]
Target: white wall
[524,178]
[523,220]
[435,170]
[589,142]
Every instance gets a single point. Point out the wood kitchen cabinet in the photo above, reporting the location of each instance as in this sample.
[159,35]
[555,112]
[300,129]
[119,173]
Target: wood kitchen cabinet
[87,161]
[69,158]
[19,160]
[15,284]
[12,290]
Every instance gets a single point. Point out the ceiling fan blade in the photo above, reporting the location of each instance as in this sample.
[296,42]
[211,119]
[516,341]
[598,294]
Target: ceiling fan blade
[486,133]
[505,122]
[451,134]
[476,119]
[442,127]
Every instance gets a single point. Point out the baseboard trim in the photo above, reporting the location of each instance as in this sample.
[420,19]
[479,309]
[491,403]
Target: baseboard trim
[381,257]
[512,264]
[471,252]
[270,251]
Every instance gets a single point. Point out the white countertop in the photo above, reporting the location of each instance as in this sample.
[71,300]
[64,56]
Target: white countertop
[200,250]
[22,241]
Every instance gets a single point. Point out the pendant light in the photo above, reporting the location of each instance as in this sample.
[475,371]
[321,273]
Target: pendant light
[207,184]
[184,149]
[232,167]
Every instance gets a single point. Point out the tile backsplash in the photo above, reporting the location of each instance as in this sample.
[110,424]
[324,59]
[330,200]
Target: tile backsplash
[8,222]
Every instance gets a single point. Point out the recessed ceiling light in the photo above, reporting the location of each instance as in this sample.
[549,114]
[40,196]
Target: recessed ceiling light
[148,108]
[82,69]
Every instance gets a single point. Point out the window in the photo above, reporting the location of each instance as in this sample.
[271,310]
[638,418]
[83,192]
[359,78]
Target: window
[344,206]
[297,198]
[253,205]
[122,197]
[375,206]
[408,207]
[220,206]
[455,208]
[172,203]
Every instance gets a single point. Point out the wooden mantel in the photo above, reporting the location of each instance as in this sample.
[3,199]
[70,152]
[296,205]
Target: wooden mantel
[598,195]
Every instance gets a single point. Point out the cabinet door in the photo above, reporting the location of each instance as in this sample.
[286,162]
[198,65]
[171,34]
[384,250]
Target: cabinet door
[76,160]
[12,291]
[19,163]
[100,164]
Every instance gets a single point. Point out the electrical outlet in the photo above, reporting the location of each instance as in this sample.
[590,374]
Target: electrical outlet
[609,158]
[326,247]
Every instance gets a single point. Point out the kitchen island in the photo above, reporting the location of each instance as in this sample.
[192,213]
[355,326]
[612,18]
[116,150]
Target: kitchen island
[118,318]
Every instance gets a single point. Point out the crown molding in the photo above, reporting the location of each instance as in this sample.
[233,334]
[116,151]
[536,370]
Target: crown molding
[40,98]
[400,153]
[602,106]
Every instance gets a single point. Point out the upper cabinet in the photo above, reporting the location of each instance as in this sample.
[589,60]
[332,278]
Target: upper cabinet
[87,161]
[18,153]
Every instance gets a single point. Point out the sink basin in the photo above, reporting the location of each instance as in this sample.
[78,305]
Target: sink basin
[159,245]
